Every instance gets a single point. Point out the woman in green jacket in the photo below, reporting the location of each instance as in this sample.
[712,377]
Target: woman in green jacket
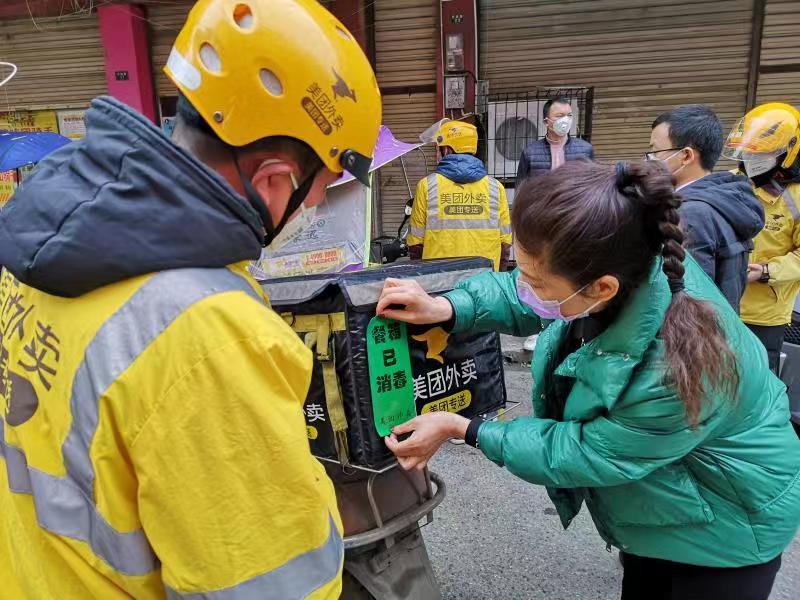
[653,404]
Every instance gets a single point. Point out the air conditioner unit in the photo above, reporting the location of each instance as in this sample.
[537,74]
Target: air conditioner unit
[512,126]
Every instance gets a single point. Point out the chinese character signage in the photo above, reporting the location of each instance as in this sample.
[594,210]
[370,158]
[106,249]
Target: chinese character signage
[443,381]
[8,183]
[35,359]
[29,121]
[71,124]
[390,376]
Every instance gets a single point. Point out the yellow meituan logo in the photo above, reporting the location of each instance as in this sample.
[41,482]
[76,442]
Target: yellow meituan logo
[436,340]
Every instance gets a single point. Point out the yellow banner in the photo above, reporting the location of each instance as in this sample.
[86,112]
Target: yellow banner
[455,403]
[29,121]
[329,260]
[8,183]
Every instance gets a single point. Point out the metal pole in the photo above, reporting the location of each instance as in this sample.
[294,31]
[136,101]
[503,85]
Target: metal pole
[755,52]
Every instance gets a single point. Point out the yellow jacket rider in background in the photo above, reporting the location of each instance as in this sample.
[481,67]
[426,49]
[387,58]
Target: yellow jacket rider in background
[459,210]
[766,142]
[152,441]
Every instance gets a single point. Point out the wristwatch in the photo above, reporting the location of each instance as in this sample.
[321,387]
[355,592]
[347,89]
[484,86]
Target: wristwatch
[764,273]
[471,437]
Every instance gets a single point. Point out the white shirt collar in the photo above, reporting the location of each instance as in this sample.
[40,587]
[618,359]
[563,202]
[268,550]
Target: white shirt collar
[688,183]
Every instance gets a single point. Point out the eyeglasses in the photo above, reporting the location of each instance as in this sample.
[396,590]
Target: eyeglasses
[652,155]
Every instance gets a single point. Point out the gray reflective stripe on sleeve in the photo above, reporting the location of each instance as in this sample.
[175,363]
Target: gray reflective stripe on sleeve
[433,199]
[461,224]
[790,204]
[505,230]
[64,505]
[63,509]
[494,202]
[416,232]
[19,480]
[296,579]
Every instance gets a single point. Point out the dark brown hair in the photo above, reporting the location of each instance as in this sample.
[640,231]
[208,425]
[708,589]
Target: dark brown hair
[586,220]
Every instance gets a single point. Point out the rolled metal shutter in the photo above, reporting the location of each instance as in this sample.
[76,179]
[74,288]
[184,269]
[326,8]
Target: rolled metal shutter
[406,34]
[641,56]
[61,62]
[779,70]
[165,21]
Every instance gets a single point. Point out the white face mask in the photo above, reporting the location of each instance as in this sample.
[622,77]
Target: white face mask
[759,165]
[562,125]
[664,162]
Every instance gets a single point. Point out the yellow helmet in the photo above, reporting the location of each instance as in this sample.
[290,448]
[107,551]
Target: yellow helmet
[460,136]
[255,69]
[764,134]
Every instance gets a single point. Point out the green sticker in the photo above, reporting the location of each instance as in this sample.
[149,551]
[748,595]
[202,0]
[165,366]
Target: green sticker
[390,377]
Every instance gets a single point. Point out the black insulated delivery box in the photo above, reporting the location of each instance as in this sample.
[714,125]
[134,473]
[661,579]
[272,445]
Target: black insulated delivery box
[460,373]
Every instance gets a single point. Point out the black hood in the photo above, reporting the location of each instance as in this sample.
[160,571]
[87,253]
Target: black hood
[732,196]
[121,202]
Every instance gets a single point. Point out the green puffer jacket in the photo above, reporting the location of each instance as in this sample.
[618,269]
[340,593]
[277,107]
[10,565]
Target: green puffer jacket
[726,494]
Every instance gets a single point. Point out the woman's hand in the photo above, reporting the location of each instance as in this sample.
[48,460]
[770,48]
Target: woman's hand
[430,431]
[405,300]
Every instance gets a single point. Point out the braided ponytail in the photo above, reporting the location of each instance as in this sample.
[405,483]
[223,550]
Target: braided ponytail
[698,356]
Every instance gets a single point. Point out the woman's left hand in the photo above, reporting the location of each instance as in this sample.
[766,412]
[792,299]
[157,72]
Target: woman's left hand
[430,431]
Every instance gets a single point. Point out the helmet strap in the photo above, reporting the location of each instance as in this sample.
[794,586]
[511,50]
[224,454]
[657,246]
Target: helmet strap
[258,203]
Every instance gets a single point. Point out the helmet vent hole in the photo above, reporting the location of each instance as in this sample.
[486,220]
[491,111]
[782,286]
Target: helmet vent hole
[271,82]
[343,34]
[243,16]
[210,58]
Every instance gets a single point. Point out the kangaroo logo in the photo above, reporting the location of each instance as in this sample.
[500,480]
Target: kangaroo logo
[341,89]
[436,340]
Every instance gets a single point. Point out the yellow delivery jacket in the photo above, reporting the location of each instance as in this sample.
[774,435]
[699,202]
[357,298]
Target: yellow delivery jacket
[460,219]
[153,445]
[778,244]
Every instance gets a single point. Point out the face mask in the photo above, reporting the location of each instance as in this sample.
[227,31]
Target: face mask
[562,125]
[664,162]
[759,165]
[549,310]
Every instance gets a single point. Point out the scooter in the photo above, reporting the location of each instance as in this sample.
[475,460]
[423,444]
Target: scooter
[387,249]
[385,554]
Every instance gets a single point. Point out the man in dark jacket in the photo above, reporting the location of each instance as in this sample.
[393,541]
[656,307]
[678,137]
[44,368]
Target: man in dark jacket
[720,214]
[557,146]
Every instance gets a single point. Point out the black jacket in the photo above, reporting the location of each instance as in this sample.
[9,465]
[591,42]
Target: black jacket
[721,215]
[535,159]
[121,202]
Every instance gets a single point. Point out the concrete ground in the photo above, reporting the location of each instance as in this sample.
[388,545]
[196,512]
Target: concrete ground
[498,537]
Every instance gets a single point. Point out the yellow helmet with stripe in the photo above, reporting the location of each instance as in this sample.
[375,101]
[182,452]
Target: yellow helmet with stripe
[460,136]
[766,133]
[255,69]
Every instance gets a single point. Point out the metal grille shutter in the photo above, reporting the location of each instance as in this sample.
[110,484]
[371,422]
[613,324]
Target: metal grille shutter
[61,64]
[407,116]
[406,34]
[165,21]
[642,57]
[779,48]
